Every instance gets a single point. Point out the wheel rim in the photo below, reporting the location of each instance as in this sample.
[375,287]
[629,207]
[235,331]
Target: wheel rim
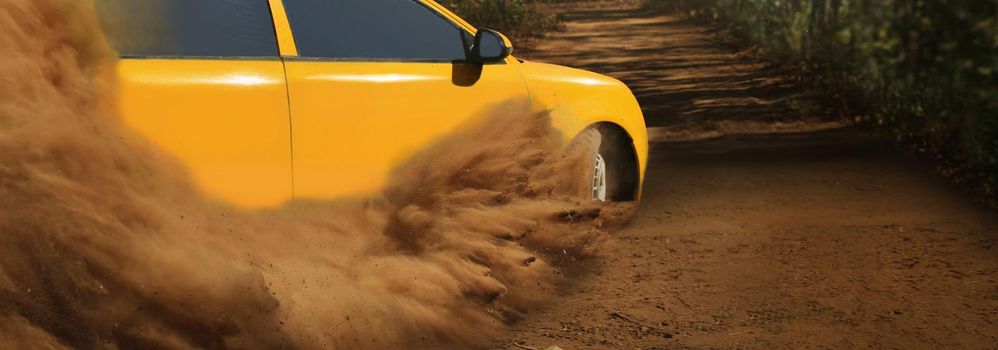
[599,179]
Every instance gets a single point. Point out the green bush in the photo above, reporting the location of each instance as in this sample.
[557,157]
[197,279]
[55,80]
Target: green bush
[521,20]
[925,70]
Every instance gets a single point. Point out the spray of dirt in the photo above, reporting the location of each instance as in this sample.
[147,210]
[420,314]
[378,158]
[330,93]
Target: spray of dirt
[103,244]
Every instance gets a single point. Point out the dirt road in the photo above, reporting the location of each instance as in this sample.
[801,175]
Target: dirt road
[763,226]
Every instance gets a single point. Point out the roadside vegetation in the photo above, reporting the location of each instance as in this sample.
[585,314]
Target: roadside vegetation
[521,20]
[925,72]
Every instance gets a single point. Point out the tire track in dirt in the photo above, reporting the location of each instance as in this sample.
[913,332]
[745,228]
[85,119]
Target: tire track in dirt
[765,238]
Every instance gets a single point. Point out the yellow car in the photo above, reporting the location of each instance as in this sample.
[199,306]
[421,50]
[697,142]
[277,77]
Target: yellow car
[269,100]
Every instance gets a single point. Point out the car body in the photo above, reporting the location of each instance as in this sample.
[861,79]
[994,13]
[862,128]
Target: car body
[282,99]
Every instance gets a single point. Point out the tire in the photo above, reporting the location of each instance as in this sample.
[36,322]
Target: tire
[614,167]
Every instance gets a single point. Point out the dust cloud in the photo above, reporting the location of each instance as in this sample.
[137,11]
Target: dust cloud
[106,244]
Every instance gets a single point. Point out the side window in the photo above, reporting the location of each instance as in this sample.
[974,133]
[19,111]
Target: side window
[189,28]
[373,30]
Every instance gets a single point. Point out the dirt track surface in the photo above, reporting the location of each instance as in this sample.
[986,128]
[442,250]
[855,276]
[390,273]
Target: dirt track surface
[756,235]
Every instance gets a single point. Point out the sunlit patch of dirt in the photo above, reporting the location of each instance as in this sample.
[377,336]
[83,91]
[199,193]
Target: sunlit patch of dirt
[691,85]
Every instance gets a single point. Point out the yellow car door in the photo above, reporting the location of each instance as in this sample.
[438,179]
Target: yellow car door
[203,81]
[374,81]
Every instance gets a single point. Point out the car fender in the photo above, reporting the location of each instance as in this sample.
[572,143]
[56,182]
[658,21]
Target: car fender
[578,99]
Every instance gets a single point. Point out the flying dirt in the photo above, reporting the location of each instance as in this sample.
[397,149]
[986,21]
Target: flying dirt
[104,242]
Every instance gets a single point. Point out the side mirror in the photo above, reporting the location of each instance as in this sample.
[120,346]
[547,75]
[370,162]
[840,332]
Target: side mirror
[490,47]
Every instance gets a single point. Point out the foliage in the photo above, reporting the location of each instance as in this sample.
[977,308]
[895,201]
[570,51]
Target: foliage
[926,70]
[519,19]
